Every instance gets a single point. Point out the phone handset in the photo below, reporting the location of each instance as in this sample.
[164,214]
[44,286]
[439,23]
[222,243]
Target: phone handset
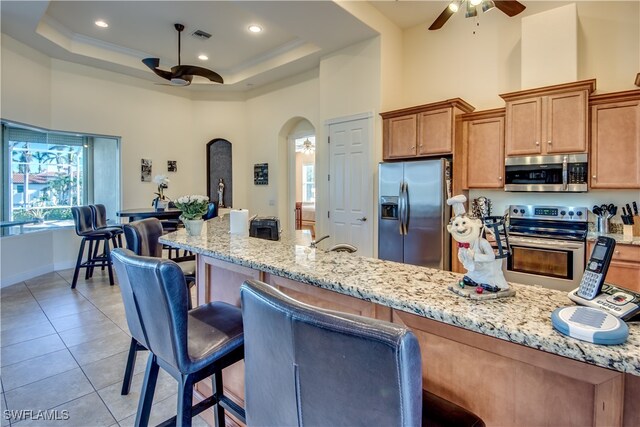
[597,267]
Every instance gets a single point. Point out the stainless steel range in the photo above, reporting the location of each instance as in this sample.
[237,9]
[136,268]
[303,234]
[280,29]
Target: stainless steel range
[548,246]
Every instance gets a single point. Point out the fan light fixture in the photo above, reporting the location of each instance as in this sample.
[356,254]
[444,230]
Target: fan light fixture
[508,7]
[308,147]
[255,28]
[102,24]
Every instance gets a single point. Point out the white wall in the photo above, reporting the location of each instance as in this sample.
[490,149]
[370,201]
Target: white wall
[454,62]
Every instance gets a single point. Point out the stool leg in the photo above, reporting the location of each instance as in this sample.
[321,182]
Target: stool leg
[131,364]
[218,410]
[78,262]
[120,241]
[146,395]
[104,253]
[107,257]
[90,259]
[185,401]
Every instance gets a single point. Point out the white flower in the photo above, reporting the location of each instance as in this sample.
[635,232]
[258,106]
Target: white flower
[161,179]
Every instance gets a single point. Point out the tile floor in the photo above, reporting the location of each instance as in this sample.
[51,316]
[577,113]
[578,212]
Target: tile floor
[65,350]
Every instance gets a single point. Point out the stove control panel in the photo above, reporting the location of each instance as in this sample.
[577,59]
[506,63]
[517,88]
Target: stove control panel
[558,213]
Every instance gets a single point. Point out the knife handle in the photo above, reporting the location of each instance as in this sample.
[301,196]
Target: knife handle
[635,208]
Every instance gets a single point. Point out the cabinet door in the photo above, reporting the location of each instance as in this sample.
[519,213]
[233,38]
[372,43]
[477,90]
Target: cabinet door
[485,153]
[615,145]
[625,274]
[435,132]
[402,136]
[523,133]
[566,123]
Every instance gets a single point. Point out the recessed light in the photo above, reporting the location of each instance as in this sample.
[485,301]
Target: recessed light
[100,23]
[203,57]
[255,28]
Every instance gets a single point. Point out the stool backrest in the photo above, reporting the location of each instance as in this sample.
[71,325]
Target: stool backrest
[99,216]
[309,366]
[83,219]
[212,212]
[142,237]
[158,300]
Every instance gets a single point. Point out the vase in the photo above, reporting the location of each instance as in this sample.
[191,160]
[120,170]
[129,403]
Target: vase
[193,226]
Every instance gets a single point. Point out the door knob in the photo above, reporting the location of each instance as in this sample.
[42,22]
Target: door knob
[363,219]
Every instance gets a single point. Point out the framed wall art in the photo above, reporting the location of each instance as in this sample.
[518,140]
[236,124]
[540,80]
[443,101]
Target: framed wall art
[145,170]
[172,166]
[261,174]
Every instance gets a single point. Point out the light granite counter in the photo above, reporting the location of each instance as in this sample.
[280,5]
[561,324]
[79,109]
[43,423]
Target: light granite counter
[619,238]
[523,319]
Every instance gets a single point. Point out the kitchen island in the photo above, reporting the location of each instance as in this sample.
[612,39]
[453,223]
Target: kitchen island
[499,358]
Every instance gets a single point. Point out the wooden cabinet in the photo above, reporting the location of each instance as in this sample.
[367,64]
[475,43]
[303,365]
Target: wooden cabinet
[624,270]
[548,120]
[615,140]
[425,130]
[483,145]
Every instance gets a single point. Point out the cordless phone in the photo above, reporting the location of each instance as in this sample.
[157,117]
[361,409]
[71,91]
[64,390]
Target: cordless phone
[597,267]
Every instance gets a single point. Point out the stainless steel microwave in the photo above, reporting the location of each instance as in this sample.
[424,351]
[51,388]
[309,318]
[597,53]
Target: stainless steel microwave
[560,173]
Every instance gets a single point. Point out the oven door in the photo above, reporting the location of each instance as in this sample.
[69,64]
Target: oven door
[555,264]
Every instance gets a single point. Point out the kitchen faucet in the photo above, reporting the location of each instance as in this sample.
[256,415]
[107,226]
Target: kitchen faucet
[314,243]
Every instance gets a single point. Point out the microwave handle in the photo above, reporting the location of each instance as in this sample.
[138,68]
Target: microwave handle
[565,181]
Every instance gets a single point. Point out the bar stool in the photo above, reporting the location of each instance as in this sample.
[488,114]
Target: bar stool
[189,345]
[83,219]
[142,239]
[330,368]
[99,213]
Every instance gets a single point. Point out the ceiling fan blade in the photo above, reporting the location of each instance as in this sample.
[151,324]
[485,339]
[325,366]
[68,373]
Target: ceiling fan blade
[192,70]
[153,63]
[510,7]
[442,19]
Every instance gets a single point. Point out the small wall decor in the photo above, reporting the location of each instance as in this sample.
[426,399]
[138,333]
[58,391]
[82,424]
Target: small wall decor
[261,174]
[172,166]
[145,170]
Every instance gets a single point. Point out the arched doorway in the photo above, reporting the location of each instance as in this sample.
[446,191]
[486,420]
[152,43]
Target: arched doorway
[219,166]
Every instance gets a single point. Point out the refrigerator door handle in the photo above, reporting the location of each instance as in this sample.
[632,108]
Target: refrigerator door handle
[405,219]
[401,209]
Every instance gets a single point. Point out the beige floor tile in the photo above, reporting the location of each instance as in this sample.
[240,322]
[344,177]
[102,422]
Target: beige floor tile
[17,309]
[110,370]
[162,411]
[13,290]
[44,279]
[36,369]
[99,349]
[26,332]
[86,333]
[29,349]
[50,392]
[85,411]
[16,298]
[70,297]
[25,318]
[53,312]
[79,319]
[124,406]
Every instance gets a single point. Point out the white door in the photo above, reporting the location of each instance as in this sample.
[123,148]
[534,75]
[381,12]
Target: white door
[351,185]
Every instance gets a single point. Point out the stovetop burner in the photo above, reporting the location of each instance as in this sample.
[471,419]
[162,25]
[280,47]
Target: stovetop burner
[549,222]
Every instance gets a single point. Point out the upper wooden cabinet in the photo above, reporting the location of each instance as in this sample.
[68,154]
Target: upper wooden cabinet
[615,140]
[548,120]
[483,145]
[425,130]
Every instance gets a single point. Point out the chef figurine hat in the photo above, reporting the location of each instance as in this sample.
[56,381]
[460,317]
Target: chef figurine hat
[457,202]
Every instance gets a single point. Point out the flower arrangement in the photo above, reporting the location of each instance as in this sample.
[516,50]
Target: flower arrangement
[163,182]
[192,207]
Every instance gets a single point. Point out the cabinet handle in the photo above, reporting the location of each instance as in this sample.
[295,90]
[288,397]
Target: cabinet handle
[617,252]
[593,176]
[548,142]
[499,178]
[537,143]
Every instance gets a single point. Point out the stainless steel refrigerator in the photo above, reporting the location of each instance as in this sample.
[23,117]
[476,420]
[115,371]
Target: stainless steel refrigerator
[413,213]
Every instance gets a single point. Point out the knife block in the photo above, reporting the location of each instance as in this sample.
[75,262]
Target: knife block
[632,230]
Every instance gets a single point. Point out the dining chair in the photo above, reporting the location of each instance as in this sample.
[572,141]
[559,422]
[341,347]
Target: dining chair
[310,366]
[190,345]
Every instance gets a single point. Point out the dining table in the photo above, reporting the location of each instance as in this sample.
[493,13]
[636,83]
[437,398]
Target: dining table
[142,213]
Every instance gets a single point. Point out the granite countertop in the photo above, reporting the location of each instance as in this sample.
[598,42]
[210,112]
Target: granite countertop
[619,238]
[524,319]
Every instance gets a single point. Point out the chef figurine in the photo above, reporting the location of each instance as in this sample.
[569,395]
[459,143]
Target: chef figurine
[475,252]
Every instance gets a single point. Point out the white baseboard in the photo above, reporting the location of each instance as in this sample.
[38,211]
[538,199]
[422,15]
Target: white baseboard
[64,265]
[25,275]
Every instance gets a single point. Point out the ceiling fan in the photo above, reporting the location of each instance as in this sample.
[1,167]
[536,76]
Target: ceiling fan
[509,7]
[181,75]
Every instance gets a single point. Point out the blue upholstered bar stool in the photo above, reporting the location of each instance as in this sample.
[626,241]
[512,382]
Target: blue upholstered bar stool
[83,219]
[190,345]
[314,367]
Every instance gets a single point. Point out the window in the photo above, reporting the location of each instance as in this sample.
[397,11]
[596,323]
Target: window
[46,173]
[308,184]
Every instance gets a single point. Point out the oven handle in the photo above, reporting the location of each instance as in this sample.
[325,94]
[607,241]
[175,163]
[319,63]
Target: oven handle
[544,244]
